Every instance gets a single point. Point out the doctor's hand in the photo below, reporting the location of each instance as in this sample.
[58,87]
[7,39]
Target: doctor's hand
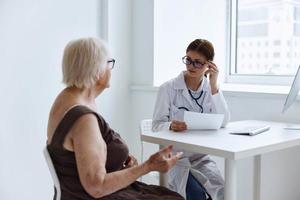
[163,160]
[178,126]
[212,73]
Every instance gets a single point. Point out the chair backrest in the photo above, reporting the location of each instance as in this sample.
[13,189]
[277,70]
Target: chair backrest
[53,173]
[146,125]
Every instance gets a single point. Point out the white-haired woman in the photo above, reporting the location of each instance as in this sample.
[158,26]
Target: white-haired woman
[91,160]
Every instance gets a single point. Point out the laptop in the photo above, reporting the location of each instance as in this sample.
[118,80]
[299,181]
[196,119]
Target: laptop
[292,96]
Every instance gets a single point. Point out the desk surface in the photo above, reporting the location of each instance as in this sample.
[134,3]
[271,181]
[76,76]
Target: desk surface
[221,143]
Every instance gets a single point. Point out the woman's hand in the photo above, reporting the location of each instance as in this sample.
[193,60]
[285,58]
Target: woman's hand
[163,160]
[213,76]
[130,162]
[178,126]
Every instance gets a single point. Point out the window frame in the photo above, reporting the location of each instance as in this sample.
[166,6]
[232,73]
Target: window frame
[231,72]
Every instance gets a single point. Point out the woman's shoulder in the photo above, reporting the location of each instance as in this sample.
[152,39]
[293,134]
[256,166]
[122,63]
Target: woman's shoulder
[167,87]
[167,84]
[174,82]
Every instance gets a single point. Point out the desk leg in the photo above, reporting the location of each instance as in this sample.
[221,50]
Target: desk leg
[163,177]
[230,180]
[257,177]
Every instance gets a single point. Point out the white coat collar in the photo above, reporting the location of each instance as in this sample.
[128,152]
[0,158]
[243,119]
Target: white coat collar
[179,83]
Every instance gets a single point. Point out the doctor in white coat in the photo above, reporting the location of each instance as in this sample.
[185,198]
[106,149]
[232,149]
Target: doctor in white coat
[196,90]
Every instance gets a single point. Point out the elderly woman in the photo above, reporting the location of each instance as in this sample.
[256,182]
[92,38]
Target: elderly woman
[195,175]
[91,160]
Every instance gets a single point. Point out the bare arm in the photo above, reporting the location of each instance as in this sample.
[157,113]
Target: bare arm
[90,151]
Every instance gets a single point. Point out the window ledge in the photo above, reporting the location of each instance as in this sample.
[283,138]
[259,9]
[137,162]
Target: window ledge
[236,90]
[144,88]
[252,90]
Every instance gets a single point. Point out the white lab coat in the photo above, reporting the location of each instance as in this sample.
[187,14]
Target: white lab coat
[172,95]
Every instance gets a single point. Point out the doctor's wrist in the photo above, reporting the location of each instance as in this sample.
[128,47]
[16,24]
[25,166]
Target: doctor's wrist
[214,89]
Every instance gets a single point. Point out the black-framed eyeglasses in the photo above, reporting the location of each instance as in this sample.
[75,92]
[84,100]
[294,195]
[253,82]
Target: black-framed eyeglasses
[111,63]
[188,61]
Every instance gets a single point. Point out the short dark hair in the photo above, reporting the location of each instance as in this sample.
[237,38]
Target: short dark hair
[203,47]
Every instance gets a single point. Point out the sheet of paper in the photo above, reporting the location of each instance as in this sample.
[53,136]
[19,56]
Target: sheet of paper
[203,121]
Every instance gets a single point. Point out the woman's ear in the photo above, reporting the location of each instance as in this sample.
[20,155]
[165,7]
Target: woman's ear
[98,76]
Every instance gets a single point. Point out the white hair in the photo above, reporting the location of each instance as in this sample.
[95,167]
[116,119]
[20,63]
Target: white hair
[83,60]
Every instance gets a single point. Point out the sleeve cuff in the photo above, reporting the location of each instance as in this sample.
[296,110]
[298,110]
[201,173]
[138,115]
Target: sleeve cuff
[166,126]
[162,126]
[219,101]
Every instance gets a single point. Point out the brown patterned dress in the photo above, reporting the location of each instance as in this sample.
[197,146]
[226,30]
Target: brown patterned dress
[117,152]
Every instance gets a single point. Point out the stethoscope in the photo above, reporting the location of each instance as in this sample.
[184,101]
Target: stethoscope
[196,100]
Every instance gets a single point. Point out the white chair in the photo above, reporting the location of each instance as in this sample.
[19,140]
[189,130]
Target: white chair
[146,127]
[53,173]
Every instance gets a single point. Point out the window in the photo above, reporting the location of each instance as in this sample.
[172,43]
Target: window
[255,41]
[268,33]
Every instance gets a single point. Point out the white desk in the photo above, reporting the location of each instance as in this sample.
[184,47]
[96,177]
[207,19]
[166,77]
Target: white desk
[231,147]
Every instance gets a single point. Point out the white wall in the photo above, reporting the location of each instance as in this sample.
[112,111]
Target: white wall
[142,34]
[32,37]
[172,35]
[114,103]
[280,170]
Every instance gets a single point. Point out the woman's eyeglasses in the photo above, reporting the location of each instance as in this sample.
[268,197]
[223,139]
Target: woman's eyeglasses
[188,61]
[111,63]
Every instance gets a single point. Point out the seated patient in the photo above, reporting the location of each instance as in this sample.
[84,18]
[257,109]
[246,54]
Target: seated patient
[195,176]
[90,159]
